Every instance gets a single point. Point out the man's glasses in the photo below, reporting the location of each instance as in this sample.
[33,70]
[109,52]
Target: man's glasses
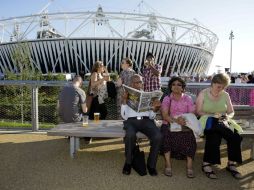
[140,82]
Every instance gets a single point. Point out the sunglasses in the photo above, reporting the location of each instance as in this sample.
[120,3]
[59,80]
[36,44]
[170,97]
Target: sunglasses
[140,82]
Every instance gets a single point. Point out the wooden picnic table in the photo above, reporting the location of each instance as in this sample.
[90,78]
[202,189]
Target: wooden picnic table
[103,128]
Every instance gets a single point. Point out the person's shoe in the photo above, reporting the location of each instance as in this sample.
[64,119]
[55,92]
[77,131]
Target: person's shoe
[206,168]
[126,169]
[168,172]
[232,169]
[190,173]
[152,171]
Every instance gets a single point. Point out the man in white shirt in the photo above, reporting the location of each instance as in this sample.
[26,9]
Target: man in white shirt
[143,122]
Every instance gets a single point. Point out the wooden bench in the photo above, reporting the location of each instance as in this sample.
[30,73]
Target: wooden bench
[244,112]
[249,133]
[106,129]
[103,128]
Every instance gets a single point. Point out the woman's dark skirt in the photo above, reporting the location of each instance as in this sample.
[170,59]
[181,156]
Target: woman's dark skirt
[179,144]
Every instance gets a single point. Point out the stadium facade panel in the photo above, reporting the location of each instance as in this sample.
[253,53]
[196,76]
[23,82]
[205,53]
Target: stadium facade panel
[71,42]
[76,55]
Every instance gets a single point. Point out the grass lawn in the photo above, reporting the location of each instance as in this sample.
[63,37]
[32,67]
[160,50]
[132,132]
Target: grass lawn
[12,124]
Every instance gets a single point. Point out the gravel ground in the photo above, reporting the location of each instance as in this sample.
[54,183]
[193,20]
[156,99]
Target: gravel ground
[38,162]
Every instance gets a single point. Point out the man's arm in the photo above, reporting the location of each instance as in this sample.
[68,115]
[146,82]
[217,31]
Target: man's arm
[124,105]
[82,100]
[155,71]
[84,108]
[156,105]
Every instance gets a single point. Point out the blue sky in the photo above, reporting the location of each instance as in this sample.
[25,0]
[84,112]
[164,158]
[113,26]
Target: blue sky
[220,16]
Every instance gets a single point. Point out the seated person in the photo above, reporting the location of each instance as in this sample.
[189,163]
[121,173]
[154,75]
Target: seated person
[72,101]
[143,122]
[181,144]
[216,110]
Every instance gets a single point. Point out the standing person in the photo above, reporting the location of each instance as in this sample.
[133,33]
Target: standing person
[125,78]
[72,101]
[143,122]
[151,74]
[216,110]
[98,89]
[180,144]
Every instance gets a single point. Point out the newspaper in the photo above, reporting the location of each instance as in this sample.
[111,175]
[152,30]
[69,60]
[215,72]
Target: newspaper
[141,101]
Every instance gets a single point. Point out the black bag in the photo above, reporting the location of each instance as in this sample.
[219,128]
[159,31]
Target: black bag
[111,88]
[138,162]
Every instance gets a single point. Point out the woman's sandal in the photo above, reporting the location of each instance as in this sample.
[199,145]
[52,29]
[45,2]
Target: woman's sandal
[190,173]
[168,172]
[233,171]
[209,174]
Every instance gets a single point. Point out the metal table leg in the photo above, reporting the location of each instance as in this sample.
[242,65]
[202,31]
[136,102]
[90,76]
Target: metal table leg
[252,150]
[74,146]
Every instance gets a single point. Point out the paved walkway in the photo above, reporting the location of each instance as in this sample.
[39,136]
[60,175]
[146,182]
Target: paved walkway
[34,161]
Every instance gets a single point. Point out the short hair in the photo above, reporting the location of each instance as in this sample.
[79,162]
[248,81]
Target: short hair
[96,66]
[149,54]
[221,78]
[128,61]
[77,78]
[133,77]
[173,79]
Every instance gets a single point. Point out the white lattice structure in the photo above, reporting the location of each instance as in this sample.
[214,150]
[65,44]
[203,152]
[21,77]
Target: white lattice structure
[73,41]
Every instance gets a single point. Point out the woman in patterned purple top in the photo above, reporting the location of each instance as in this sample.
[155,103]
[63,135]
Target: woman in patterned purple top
[125,78]
[181,144]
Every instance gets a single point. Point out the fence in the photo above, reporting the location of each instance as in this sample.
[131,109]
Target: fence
[33,104]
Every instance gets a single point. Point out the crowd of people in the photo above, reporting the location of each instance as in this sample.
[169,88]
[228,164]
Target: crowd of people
[235,78]
[213,107]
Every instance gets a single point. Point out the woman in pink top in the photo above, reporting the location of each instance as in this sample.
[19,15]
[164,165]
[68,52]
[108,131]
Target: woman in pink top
[181,144]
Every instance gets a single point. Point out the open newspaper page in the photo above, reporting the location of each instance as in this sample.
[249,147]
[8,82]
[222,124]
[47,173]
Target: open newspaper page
[141,101]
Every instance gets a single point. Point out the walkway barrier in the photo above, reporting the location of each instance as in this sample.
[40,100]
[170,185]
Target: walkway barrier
[33,104]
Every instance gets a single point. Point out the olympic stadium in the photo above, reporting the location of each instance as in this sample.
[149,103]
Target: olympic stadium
[70,42]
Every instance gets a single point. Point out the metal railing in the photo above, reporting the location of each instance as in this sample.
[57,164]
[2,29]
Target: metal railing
[33,104]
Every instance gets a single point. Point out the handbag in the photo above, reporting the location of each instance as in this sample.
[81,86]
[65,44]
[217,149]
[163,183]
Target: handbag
[111,88]
[138,161]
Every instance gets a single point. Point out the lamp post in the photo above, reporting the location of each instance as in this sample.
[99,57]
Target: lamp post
[231,37]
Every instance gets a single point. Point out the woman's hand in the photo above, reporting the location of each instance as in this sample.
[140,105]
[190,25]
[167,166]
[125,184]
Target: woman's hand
[181,121]
[106,78]
[223,117]
[119,82]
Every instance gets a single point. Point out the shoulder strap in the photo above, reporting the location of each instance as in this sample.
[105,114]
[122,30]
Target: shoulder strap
[169,103]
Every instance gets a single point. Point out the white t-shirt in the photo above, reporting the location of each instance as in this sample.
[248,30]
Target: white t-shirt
[127,112]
